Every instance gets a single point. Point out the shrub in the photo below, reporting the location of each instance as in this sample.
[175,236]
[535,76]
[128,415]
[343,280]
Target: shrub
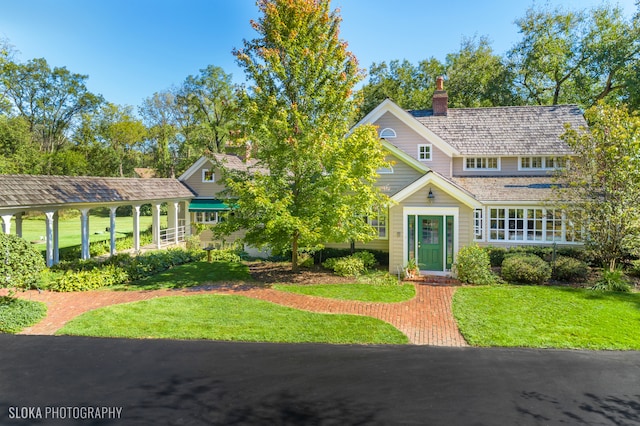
[612,281]
[349,266]
[20,263]
[382,257]
[635,268]
[226,255]
[16,314]
[526,269]
[89,280]
[368,259]
[496,255]
[569,269]
[472,266]
[305,260]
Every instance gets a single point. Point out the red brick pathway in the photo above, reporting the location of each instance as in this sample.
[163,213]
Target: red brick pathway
[427,319]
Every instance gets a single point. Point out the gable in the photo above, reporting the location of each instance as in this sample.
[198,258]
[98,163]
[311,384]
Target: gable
[422,133]
[193,179]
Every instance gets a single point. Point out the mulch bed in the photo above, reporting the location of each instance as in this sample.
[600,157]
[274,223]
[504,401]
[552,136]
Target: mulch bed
[270,273]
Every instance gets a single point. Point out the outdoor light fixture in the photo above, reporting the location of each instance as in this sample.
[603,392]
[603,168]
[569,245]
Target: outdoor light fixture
[430,197]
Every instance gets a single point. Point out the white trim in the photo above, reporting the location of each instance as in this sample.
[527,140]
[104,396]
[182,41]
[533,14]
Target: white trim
[483,226]
[194,168]
[391,133]
[213,176]
[480,169]
[432,211]
[406,158]
[389,106]
[434,179]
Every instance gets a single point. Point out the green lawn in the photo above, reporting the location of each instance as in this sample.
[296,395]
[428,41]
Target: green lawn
[69,228]
[191,274]
[224,317]
[360,292]
[548,317]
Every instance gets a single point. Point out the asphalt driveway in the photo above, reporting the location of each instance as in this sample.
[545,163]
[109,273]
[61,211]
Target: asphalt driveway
[219,383]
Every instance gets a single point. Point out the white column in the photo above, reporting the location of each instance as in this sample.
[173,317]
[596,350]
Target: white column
[6,223]
[19,224]
[187,218]
[112,230]
[136,228]
[173,220]
[49,236]
[56,238]
[84,228]
[155,227]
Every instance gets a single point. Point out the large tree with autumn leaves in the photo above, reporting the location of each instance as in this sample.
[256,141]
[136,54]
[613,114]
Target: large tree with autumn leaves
[317,180]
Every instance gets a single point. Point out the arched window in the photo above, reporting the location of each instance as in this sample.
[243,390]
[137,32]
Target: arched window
[388,133]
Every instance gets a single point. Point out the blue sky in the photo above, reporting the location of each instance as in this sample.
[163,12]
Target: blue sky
[133,48]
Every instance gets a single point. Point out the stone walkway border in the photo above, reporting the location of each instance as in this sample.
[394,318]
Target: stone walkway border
[427,319]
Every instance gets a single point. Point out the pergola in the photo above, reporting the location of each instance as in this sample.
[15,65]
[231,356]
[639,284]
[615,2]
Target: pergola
[49,194]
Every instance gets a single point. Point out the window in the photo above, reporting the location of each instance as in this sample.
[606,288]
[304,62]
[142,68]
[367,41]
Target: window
[478,231]
[385,170]
[424,152]
[529,224]
[482,163]
[379,222]
[542,163]
[388,133]
[208,175]
[207,217]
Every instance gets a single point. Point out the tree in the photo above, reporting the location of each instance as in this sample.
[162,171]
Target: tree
[115,128]
[408,85]
[319,179]
[50,99]
[476,77]
[600,188]
[576,57]
[158,113]
[18,153]
[210,106]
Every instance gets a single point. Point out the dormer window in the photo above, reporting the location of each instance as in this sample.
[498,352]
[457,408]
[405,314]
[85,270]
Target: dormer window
[208,175]
[424,152]
[387,133]
[482,163]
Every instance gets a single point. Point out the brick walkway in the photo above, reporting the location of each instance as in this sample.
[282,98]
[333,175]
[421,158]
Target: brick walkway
[426,319]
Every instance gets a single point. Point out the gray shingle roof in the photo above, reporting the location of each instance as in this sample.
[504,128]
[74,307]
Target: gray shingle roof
[513,130]
[234,162]
[27,190]
[508,188]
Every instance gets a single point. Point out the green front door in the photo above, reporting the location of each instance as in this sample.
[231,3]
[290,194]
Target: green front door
[430,243]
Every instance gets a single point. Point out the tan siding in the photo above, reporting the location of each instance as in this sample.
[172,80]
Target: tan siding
[397,239]
[408,141]
[205,189]
[402,176]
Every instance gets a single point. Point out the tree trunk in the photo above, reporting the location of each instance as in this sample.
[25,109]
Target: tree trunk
[294,253]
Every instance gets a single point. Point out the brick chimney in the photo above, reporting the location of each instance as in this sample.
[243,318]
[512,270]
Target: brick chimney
[440,102]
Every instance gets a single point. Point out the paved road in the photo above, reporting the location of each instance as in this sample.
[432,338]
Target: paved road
[218,383]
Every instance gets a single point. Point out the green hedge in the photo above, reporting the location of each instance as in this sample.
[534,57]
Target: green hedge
[569,269]
[20,263]
[525,269]
[382,257]
[119,269]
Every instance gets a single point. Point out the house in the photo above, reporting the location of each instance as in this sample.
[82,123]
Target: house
[457,176]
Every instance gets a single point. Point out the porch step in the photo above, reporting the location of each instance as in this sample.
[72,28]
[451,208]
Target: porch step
[435,280]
